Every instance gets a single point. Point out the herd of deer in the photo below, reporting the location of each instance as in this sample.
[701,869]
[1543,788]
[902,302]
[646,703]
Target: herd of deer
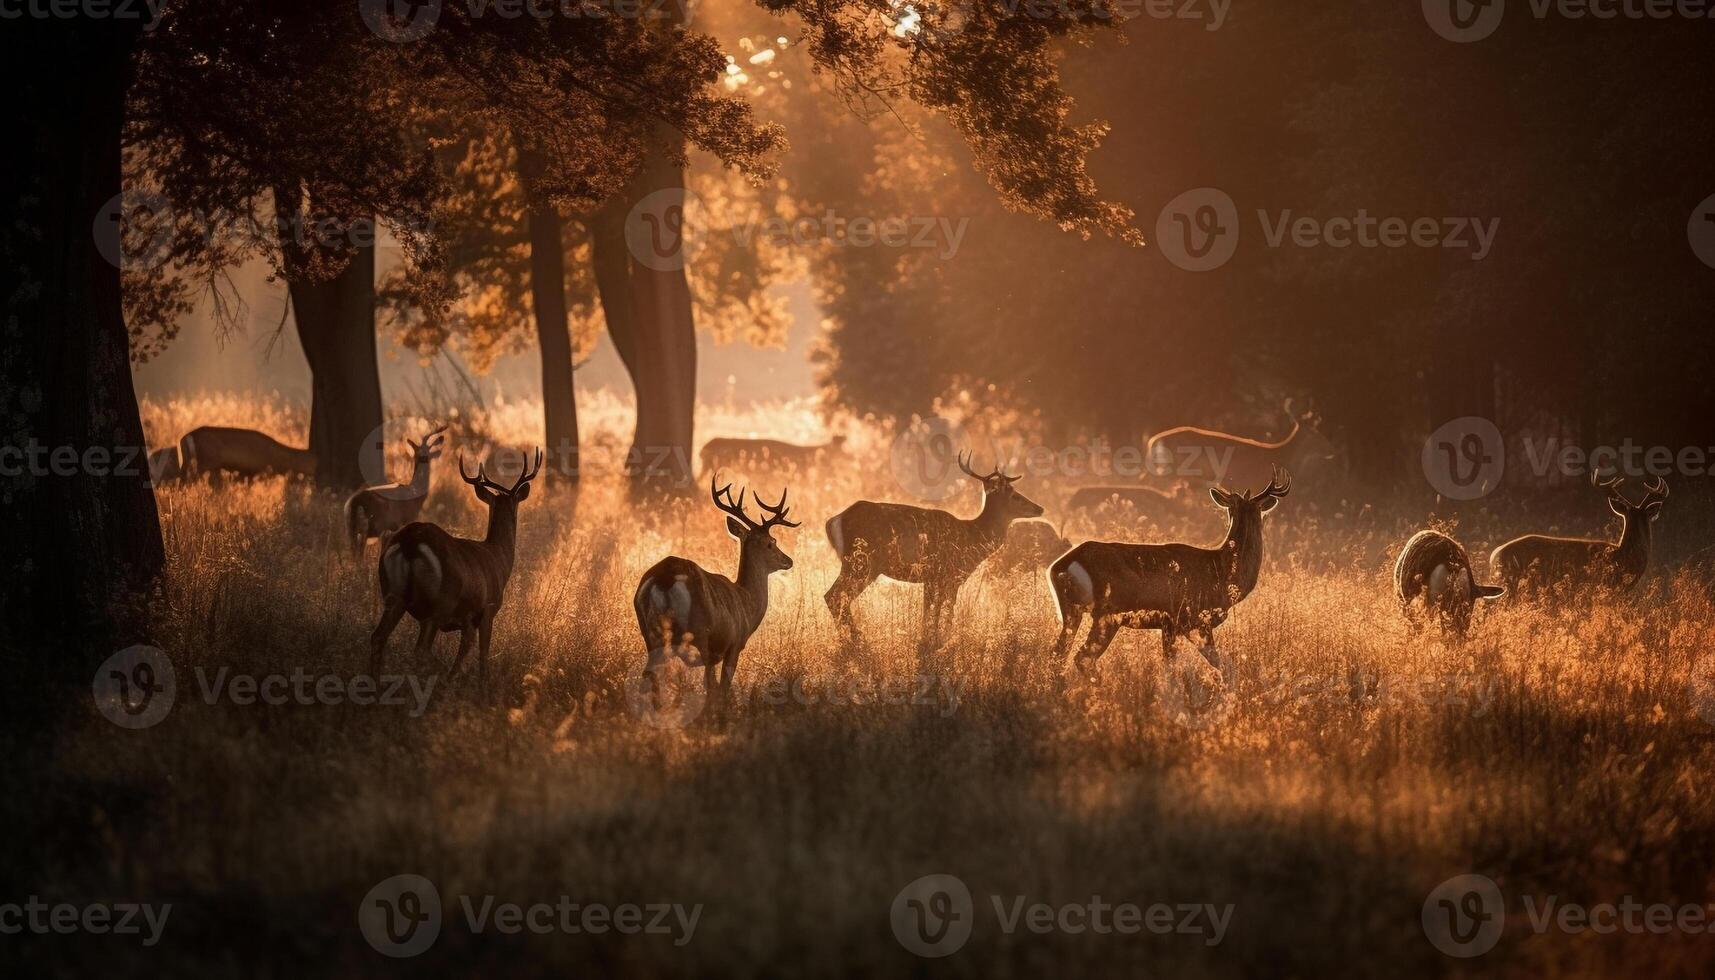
[701,618]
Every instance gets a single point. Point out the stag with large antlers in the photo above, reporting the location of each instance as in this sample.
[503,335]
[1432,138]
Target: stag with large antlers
[1539,561]
[1175,588]
[918,544]
[704,619]
[375,512]
[452,584]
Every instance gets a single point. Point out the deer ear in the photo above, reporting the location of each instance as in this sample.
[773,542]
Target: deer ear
[485,495]
[1617,506]
[1268,505]
[414,446]
[522,494]
[1215,495]
[734,528]
[1653,511]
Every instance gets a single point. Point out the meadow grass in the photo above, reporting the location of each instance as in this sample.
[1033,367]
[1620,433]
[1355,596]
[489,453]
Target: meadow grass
[1336,771]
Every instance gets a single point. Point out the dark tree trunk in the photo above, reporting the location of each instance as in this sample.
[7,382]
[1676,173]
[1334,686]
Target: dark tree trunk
[336,325]
[548,296]
[649,314]
[84,546]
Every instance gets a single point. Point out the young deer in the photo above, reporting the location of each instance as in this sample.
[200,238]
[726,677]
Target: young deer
[1538,560]
[699,617]
[449,583]
[375,512]
[723,452]
[1434,568]
[1174,588]
[219,449]
[917,544]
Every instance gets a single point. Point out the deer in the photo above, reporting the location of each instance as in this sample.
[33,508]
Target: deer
[376,512]
[1433,574]
[1146,503]
[721,452]
[1175,588]
[219,449]
[920,544]
[449,583]
[1188,451]
[1539,560]
[702,618]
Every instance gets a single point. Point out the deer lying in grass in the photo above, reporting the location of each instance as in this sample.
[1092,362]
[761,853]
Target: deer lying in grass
[1434,568]
[1137,502]
[1174,588]
[448,583]
[702,618]
[219,449]
[1537,561]
[917,544]
[721,452]
[375,512]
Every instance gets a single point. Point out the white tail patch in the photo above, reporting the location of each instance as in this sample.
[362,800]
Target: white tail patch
[426,571]
[1082,588]
[837,536]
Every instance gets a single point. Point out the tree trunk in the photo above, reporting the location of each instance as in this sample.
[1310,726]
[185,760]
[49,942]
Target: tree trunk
[649,314]
[548,296]
[336,325]
[84,541]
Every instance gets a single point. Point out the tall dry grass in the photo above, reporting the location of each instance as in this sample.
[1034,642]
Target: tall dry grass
[1338,771]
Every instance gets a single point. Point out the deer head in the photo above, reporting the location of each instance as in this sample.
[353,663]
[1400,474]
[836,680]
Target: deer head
[1640,514]
[429,448]
[998,493]
[502,500]
[1245,508]
[756,545]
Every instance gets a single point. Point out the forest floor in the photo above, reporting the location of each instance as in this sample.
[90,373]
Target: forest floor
[1293,813]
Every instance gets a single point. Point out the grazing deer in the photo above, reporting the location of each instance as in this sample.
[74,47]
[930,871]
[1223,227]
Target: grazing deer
[1435,569]
[375,512]
[769,452]
[699,617]
[449,583]
[218,449]
[1147,503]
[1188,454]
[1029,547]
[1538,560]
[1174,588]
[917,544]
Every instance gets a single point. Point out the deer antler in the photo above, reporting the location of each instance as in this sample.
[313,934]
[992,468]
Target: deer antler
[528,474]
[1654,493]
[775,513]
[1276,488]
[965,460]
[733,509]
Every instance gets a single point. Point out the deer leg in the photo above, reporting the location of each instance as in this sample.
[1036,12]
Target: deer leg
[729,667]
[485,635]
[1073,621]
[1209,652]
[425,638]
[845,590]
[390,617]
[467,636]
[1102,630]
[1167,638]
[711,686]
